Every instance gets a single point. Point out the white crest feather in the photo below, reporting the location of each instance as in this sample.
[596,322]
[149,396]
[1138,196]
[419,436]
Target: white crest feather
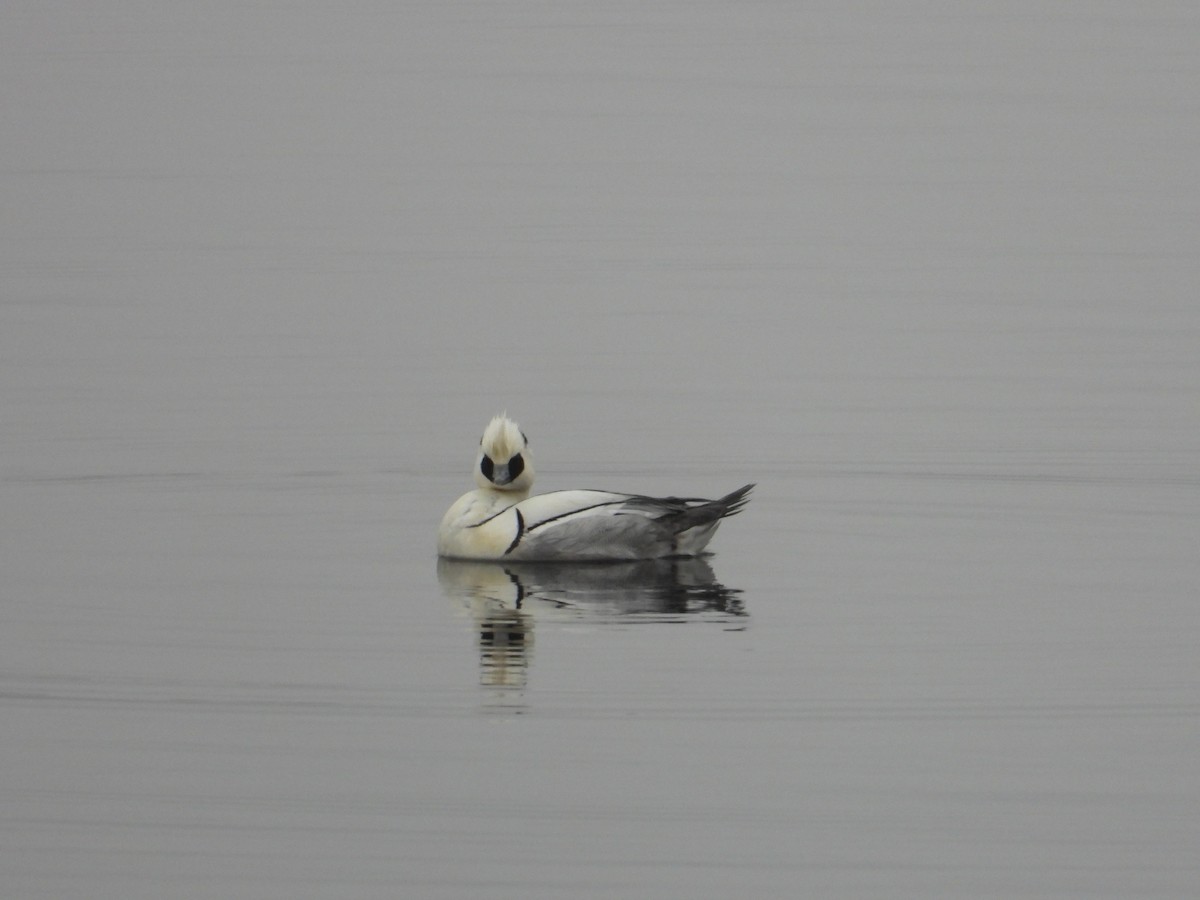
[502,439]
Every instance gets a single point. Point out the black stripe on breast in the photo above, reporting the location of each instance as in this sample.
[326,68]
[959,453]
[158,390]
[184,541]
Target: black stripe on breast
[520,533]
[489,518]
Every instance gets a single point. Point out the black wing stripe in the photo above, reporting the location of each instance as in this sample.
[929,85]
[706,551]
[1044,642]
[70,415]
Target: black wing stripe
[575,512]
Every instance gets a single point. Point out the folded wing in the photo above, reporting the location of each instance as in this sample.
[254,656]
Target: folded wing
[605,525]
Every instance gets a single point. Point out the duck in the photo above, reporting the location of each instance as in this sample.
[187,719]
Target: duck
[501,521]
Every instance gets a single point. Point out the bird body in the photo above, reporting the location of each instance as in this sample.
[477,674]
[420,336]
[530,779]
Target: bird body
[501,521]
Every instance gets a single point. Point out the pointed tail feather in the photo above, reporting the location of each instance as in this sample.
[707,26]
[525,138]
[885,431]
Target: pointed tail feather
[711,510]
[734,501]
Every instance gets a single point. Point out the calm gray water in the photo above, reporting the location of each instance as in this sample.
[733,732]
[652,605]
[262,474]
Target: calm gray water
[924,272]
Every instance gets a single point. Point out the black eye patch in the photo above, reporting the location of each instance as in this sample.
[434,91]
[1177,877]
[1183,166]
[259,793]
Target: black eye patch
[487,467]
[516,466]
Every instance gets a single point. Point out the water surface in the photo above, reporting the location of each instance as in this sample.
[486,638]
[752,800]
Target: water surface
[926,276]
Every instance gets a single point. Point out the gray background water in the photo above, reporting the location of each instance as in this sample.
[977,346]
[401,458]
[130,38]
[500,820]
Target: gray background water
[925,272]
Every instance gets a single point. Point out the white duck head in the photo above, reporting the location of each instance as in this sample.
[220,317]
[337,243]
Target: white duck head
[504,463]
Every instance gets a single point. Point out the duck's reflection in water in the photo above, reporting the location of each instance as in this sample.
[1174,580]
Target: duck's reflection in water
[505,598]
[505,647]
